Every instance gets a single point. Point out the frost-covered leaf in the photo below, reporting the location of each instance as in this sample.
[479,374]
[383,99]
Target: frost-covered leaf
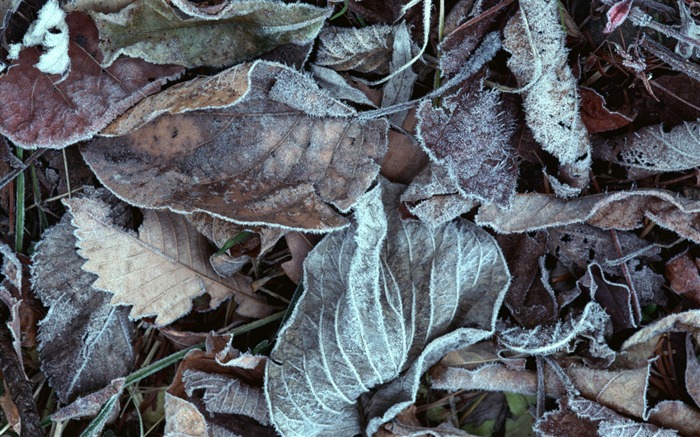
[399,88]
[313,154]
[688,321]
[683,273]
[50,32]
[434,197]
[337,86]
[90,405]
[366,49]
[546,340]
[617,14]
[172,267]
[226,395]
[624,390]
[156,32]
[596,116]
[469,135]
[182,419]
[374,308]
[652,149]
[84,342]
[535,39]
[41,110]
[623,210]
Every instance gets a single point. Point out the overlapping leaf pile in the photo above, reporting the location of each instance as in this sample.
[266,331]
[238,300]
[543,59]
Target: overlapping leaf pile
[491,222]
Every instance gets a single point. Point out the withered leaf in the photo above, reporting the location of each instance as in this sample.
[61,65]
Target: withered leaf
[41,110]
[535,39]
[652,149]
[682,272]
[375,311]
[84,342]
[155,31]
[622,210]
[596,116]
[159,271]
[313,153]
[469,135]
[366,49]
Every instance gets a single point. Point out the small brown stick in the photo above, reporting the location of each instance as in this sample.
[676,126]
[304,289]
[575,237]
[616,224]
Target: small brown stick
[20,388]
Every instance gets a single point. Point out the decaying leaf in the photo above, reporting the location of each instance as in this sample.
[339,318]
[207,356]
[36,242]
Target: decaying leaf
[652,149]
[623,210]
[535,39]
[596,116]
[399,88]
[42,110]
[172,266]
[684,275]
[314,154]
[367,49]
[183,419]
[376,311]
[338,87]
[84,342]
[90,405]
[470,136]
[156,32]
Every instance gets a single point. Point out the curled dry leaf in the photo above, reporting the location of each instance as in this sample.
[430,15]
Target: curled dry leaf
[313,154]
[535,39]
[366,49]
[622,210]
[375,311]
[41,110]
[652,149]
[596,116]
[172,267]
[84,342]
[156,32]
[469,135]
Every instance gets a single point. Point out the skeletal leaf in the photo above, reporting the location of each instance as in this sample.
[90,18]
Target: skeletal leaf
[159,271]
[84,342]
[376,311]
[622,210]
[652,149]
[535,39]
[312,153]
[154,31]
[366,49]
[41,110]
[469,136]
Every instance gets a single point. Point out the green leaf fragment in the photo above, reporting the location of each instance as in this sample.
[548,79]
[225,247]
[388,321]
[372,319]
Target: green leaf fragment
[156,32]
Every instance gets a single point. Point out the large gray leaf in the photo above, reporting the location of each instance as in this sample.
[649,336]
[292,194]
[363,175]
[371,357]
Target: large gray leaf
[84,342]
[383,300]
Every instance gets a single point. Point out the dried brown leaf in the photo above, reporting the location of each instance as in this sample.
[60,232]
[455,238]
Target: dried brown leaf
[312,155]
[41,110]
[596,116]
[366,49]
[172,266]
[682,272]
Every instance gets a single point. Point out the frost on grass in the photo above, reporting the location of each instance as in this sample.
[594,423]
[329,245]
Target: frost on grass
[535,39]
[375,312]
[172,267]
[42,110]
[84,342]
[216,160]
[366,49]
[650,149]
[470,136]
[156,32]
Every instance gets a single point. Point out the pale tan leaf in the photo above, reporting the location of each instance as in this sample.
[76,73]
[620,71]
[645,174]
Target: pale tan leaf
[686,321]
[182,419]
[159,271]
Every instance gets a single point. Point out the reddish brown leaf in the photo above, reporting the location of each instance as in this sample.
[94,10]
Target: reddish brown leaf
[596,116]
[40,110]
[682,272]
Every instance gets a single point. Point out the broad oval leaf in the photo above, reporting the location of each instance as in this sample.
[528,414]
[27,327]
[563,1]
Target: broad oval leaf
[159,271]
[281,155]
[377,296]
[40,110]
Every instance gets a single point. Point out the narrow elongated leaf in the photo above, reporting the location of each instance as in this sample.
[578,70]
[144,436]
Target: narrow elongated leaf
[381,298]
[366,49]
[40,110]
[159,271]
[535,39]
[84,342]
[280,155]
[156,32]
